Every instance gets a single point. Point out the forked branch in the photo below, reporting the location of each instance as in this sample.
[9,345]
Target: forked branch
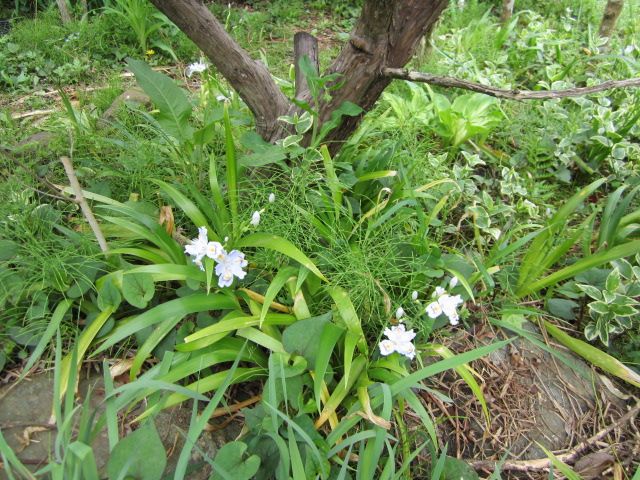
[450,82]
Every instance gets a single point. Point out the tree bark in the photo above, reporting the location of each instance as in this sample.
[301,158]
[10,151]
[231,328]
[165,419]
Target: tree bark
[64,11]
[507,10]
[304,44]
[249,78]
[386,35]
[611,13]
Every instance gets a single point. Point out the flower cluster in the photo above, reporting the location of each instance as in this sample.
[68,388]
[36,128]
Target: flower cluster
[445,304]
[196,67]
[398,340]
[228,264]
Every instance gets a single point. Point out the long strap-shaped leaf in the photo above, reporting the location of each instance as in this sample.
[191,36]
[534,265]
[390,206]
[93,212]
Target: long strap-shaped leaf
[281,245]
[199,302]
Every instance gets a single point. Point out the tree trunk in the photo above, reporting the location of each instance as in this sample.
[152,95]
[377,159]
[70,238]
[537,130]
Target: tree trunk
[250,78]
[64,11]
[507,10]
[386,35]
[611,13]
[304,44]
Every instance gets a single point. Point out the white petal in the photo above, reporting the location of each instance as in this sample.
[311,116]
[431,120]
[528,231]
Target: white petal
[407,349]
[453,282]
[399,313]
[387,347]
[414,296]
[272,197]
[434,310]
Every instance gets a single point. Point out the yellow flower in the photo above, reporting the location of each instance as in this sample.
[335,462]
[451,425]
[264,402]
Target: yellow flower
[150,52]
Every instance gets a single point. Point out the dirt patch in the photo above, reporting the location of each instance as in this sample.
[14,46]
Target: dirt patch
[535,399]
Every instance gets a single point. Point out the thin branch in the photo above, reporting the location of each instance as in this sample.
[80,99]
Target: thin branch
[84,206]
[450,82]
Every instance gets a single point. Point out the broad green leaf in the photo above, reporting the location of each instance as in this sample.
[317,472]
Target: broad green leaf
[456,469]
[109,295]
[302,337]
[593,355]
[138,288]
[230,459]
[171,100]
[279,244]
[139,455]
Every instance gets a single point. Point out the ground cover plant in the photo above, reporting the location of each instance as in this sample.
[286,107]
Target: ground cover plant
[322,292]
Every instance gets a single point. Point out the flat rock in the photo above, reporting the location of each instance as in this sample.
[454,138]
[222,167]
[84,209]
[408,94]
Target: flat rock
[26,407]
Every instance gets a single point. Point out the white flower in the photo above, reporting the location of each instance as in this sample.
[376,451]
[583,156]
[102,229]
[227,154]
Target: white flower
[414,296]
[439,291]
[195,67]
[453,282]
[230,265]
[215,251]
[398,334]
[387,347]
[272,197]
[198,246]
[434,310]
[449,304]
[398,340]
[399,313]
[255,219]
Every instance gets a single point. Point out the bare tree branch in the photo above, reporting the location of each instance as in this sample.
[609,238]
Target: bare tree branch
[250,78]
[450,82]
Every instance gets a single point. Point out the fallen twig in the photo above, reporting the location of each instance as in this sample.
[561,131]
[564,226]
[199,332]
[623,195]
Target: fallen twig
[84,206]
[450,82]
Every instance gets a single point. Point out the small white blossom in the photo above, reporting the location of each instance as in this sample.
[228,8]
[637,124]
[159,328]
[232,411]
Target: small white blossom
[255,219]
[438,292]
[399,313]
[434,310]
[414,296]
[272,197]
[445,304]
[198,67]
[453,282]
[398,340]
[198,246]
